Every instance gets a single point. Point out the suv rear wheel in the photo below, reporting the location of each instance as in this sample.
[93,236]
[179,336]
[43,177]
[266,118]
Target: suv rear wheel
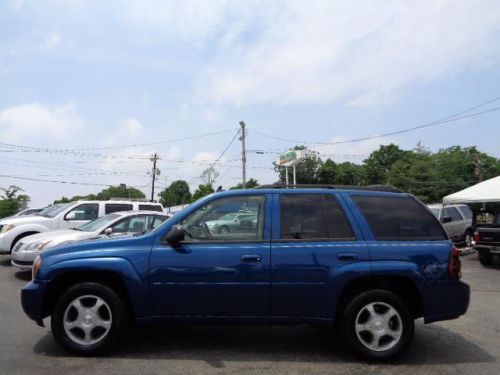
[377,325]
[88,319]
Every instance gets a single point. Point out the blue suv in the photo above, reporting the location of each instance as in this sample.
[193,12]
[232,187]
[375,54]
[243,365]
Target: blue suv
[369,261]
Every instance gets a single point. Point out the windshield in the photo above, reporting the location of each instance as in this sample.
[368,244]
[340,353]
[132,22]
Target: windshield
[54,210]
[98,224]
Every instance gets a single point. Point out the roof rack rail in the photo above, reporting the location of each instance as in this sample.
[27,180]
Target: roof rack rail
[385,188]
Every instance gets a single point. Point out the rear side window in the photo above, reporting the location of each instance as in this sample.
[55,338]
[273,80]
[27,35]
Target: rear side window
[150,207]
[117,207]
[453,213]
[313,216]
[399,218]
[466,211]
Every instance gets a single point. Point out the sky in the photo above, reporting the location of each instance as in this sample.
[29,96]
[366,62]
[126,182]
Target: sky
[81,79]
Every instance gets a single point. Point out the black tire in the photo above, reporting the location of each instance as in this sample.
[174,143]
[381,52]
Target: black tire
[468,240]
[117,319]
[224,229]
[485,258]
[379,299]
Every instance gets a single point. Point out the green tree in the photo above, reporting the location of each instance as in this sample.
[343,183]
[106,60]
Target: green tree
[379,163]
[120,191]
[11,201]
[203,189]
[250,184]
[177,193]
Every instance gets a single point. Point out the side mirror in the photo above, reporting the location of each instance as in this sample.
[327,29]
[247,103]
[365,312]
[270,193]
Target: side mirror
[446,219]
[70,216]
[108,231]
[175,235]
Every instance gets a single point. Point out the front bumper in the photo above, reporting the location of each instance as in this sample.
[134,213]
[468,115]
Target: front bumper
[4,243]
[32,296]
[450,299]
[23,259]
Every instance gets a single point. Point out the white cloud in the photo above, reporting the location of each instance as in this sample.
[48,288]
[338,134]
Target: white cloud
[33,123]
[53,40]
[362,52]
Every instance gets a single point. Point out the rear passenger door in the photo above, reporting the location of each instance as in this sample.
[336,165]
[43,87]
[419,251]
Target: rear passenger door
[314,239]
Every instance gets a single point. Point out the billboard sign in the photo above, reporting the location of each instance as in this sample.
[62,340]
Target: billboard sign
[290,158]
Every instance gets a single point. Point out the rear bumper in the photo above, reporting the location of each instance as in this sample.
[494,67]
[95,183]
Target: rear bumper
[487,249]
[450,299]
[32,295]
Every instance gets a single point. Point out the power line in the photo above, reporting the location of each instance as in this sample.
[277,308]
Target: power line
[82,150]
[61,182]
[451,118]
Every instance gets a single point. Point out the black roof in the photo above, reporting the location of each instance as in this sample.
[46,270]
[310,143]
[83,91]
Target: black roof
[385,188]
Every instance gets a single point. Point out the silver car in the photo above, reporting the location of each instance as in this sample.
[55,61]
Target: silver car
[115,224]
[456,220]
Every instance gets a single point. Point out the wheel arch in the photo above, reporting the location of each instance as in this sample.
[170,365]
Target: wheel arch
[403,286]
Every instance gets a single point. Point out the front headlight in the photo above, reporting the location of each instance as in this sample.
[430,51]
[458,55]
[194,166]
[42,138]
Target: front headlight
[36,267]
[7,227]
[37,246]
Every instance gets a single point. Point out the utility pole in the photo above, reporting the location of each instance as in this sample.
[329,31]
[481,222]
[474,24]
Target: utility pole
[243,153]
[154,172]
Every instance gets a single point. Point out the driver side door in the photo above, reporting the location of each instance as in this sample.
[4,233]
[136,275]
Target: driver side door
[213,273]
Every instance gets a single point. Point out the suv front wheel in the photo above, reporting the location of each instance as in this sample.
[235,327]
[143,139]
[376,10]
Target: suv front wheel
[88,319]
[377,325]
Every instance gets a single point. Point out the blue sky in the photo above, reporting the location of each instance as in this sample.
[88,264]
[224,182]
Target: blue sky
[83,74]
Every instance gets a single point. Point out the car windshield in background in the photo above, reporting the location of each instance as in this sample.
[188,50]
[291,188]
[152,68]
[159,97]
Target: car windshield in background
[97,224]
[53,211]
[435,211]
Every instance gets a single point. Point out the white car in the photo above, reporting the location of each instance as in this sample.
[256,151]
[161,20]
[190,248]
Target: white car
[118,223]
[63,216]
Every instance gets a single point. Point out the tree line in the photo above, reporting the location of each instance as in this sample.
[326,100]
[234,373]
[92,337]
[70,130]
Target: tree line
[428,175]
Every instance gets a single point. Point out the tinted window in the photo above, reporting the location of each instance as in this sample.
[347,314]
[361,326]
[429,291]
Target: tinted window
[157,221]
[399,218]
[466,211]
[214,222]
[455,216]
[132,224]
[313,216]
[116,207]
[150,207]
[87,211]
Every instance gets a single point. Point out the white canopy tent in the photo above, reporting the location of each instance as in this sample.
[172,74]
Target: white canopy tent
[486,191]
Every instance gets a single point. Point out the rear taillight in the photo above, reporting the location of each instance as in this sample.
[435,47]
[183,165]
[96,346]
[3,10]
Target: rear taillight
[454,264]
[477,237]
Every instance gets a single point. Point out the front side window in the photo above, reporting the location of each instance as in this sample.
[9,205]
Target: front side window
[466,211]
[398,218]
[133,224]
[86,211]
[227,219]
[98,223]
[313,216]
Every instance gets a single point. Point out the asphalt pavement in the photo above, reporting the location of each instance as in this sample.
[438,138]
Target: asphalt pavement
[468,345]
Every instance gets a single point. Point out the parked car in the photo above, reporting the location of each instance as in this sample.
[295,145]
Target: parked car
[487,234]
[456,220]
[118,223]
[369,261]
[233,222]
[63,216]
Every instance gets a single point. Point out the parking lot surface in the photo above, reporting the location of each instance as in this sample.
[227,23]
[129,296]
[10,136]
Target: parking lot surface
[468,345]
